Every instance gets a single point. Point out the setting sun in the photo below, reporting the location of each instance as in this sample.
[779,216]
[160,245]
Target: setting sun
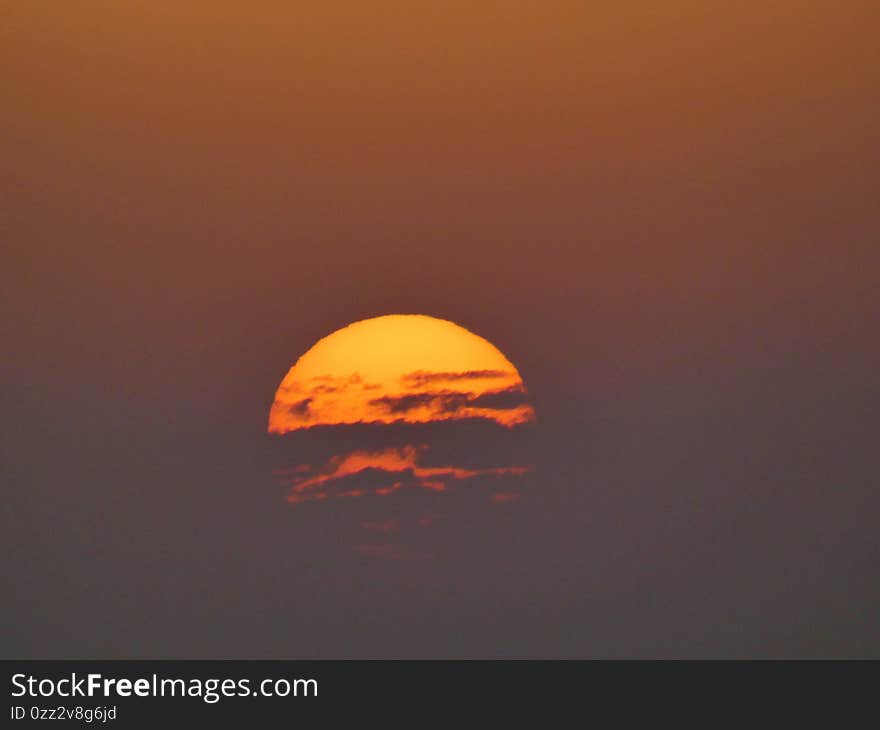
[400,367]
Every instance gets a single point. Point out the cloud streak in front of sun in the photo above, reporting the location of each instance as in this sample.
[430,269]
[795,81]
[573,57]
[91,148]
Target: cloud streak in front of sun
[419,397]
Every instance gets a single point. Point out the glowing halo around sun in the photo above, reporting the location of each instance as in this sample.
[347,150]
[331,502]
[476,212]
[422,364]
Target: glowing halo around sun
[407,368]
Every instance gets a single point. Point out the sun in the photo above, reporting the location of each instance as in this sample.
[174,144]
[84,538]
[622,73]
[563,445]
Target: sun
[399,368]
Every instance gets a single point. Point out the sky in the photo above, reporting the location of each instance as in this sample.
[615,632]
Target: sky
[663,214]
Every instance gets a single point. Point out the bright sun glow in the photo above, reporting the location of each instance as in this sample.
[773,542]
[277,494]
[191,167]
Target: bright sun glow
[400,367]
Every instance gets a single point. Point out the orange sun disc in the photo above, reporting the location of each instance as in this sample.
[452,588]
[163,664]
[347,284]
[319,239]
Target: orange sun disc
[399,368]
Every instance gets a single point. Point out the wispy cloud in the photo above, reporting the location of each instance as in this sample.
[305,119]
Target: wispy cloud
[421,378]
[420,396]
[379,473]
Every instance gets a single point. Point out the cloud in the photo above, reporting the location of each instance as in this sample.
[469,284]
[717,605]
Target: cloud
[504,399]
[443,402]
[380,474]
[507,405]
[421,378]
[420,396]
[300,408]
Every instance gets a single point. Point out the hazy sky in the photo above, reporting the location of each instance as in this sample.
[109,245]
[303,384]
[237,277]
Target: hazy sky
[664,214]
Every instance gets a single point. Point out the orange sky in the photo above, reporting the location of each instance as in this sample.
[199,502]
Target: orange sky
[664,214]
